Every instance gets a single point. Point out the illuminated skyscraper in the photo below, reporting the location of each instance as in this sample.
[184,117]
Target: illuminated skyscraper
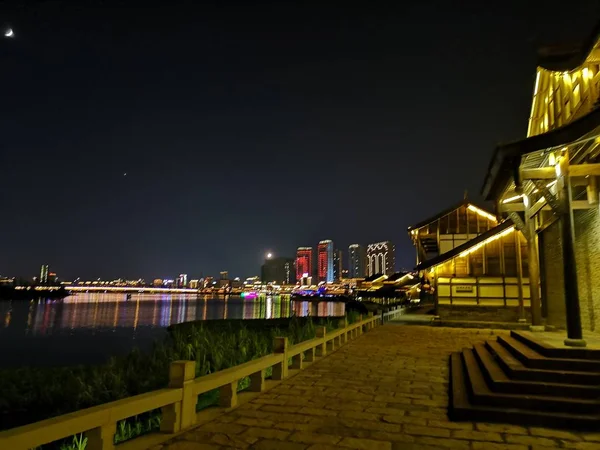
[44,274]
[337,264]
[356,261]
[304,264]
[381,258]
[182,280]
[325,261]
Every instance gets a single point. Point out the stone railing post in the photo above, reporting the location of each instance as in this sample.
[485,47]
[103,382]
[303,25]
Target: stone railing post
[180,415]
[257,382]
[343,324]
[101,438]
[320,349]
[309,355]
[228,395]
[280,370]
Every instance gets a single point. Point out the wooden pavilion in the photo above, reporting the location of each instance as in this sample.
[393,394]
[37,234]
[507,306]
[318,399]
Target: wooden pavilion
[547,183]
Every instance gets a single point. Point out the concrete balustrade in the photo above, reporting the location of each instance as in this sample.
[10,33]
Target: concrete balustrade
[178,401]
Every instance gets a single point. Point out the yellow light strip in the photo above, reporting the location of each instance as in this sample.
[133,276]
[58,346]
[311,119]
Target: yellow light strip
[482,213]
[512,199]
[487,241]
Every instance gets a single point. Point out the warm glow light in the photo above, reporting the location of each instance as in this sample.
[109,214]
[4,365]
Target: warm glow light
[512,199]
[269,255]
[487,241]
[552,159]
[537,83]
[557,168]
[525,201]
[482,213]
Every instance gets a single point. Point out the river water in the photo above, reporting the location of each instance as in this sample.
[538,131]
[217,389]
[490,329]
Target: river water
[88,328]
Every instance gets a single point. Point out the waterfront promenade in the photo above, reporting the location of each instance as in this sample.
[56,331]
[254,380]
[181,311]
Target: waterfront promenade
[386,390]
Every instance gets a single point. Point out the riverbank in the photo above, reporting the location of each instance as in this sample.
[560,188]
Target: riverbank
[31,293]
[30,395]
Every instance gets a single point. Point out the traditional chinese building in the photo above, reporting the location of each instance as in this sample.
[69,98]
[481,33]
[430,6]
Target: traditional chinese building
[547,185]
[476,264]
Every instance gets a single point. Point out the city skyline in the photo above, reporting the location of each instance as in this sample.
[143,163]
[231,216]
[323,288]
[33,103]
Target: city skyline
[152,153]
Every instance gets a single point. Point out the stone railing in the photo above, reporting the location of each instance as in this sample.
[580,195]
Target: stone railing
[178,401]
[392,313]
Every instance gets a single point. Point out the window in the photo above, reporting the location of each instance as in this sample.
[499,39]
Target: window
[510,256]
[492,256]
[476,260]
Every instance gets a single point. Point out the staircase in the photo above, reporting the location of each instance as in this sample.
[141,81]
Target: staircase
[520,381]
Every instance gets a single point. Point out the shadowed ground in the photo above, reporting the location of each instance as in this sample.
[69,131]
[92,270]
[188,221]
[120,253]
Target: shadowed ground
[386,390]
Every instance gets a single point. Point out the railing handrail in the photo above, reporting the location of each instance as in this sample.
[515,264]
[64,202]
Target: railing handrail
[101,418]
[215,380]
[54,428]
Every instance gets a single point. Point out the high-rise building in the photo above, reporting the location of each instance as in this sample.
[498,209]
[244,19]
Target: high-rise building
[381,258]
[182,280]
[357,258]
[337,265]
[158,282]
[278,270]
[325,261]
[194,284]
[44,274]
[224,275]
[304,262]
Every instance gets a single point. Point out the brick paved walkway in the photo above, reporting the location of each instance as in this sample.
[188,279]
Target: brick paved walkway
[386,390]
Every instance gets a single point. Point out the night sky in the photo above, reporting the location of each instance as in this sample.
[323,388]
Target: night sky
[245,127]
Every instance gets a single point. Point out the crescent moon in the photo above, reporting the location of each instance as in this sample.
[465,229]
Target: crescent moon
[9,33]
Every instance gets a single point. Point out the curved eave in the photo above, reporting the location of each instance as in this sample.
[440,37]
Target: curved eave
[567,58]
[507,157]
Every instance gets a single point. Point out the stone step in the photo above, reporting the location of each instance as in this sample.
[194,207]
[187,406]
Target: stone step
[531,358]
[498,381]
[553,352]
[481,394]
[461,408]
[516,370]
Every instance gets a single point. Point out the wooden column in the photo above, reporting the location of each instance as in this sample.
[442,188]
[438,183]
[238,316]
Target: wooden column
[534,270]
[567,228]
[519,275]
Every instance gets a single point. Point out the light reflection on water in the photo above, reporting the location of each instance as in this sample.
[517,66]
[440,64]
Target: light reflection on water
[90,327]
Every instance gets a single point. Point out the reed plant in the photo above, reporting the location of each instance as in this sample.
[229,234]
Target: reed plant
[32,394]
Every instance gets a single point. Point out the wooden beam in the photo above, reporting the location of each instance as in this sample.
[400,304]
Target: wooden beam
[542,173]
[549,173]
[581,204]
[582,170]
[512,207]
[537,207]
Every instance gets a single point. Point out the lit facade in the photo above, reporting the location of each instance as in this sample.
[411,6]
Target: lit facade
[325,252]
[337,265]
[476,263]
[304,262]
[44,274]
[547,184]
[381,258]
[357,258]
[182,280]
